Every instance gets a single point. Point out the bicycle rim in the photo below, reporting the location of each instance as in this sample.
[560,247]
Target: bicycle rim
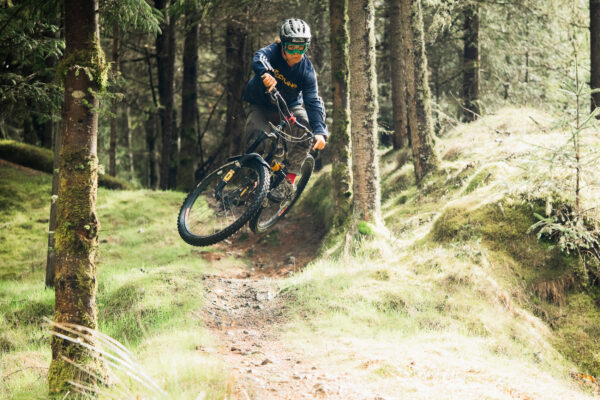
[222,202]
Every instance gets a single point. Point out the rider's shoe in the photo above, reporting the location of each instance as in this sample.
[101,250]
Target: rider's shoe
[284,191]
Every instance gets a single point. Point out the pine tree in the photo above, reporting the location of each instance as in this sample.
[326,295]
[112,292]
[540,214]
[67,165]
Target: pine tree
[165,57]
[418,94]
[77,225]
[235,62]
[398,67]
[470,92]
[595,51]
[339,141]
[112,165]
[189,102]
[364,107]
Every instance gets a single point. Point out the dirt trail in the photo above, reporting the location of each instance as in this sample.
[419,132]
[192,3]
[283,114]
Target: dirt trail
[244,309]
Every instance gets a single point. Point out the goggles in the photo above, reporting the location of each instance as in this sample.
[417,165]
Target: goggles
[292,48]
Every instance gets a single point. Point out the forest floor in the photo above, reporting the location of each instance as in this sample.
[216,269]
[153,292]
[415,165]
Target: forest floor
[245,309]
[441,306]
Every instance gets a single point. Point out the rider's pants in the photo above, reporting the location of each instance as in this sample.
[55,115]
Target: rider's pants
[258,121]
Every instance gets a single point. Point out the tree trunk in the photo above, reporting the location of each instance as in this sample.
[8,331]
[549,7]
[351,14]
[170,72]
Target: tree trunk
[595,50]
[51,256]
[189,106]
[364,108]
[112,152]
[471,63]
[235,39]
[151,127]
[129,143]
[398,67]
[420,124]
[77,226]
[165,56]
[339,141]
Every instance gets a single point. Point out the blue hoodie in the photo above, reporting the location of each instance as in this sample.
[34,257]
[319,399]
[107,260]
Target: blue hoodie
[297,85]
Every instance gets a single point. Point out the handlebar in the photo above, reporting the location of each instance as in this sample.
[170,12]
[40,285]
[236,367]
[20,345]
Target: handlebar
[277,98]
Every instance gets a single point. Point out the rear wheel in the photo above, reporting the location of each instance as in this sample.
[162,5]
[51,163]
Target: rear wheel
[272,211]
[223,202]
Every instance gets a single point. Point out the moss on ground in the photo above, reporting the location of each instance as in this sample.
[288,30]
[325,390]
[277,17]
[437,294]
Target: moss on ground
[503,227]
[547,273]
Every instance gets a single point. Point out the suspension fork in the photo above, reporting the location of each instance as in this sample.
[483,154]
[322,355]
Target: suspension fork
[218,191]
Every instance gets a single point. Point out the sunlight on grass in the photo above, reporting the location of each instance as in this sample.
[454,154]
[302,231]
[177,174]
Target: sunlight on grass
[457,310]
[149,284]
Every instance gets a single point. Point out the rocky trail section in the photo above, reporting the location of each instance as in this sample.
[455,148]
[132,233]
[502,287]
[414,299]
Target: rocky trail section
[243,314]
[244,309]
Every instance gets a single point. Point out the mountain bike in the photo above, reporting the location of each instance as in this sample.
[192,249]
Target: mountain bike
[241,190]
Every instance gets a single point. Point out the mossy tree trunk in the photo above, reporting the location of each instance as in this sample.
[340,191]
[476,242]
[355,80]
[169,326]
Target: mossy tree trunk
[189,104]
[364,108]
[470,90]
[77,225]
[114,108]
[235,42]
[398,67]
[165,58]
[339,141]
[420,123]
[595,50]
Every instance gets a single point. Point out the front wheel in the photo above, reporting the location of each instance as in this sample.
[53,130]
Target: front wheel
[223,202]
[272,211]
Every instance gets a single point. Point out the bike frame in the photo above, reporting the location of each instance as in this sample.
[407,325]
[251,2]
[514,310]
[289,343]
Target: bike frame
[276,135]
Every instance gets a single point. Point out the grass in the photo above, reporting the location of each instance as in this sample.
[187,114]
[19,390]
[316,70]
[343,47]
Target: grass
[449,304]
[456,300]
[149,283]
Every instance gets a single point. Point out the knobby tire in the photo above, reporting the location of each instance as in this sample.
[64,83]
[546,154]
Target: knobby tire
[262,190]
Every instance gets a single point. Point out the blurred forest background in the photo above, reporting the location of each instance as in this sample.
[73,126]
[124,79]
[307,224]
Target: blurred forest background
[526,52]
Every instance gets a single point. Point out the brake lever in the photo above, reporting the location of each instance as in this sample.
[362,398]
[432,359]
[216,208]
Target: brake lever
[273,96]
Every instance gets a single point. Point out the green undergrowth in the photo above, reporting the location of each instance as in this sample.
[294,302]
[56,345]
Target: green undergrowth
[150,289]
[458,278]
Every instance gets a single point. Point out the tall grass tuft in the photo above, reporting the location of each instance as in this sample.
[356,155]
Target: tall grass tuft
[124,378]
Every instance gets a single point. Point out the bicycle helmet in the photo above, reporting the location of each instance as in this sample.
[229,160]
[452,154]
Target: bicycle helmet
[294,30]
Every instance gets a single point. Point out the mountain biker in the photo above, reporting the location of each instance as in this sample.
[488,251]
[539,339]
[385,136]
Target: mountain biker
[284,64]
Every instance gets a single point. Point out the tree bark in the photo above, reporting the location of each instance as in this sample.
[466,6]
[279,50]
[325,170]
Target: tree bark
[77,226]
[129,143]
[235,41]
[51,256]
[470,90]
[189,106]
[364,108]
[112,152]
[165,56]
[595,50]
[339,141]
[151,127]
[398,67]
[420,123]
